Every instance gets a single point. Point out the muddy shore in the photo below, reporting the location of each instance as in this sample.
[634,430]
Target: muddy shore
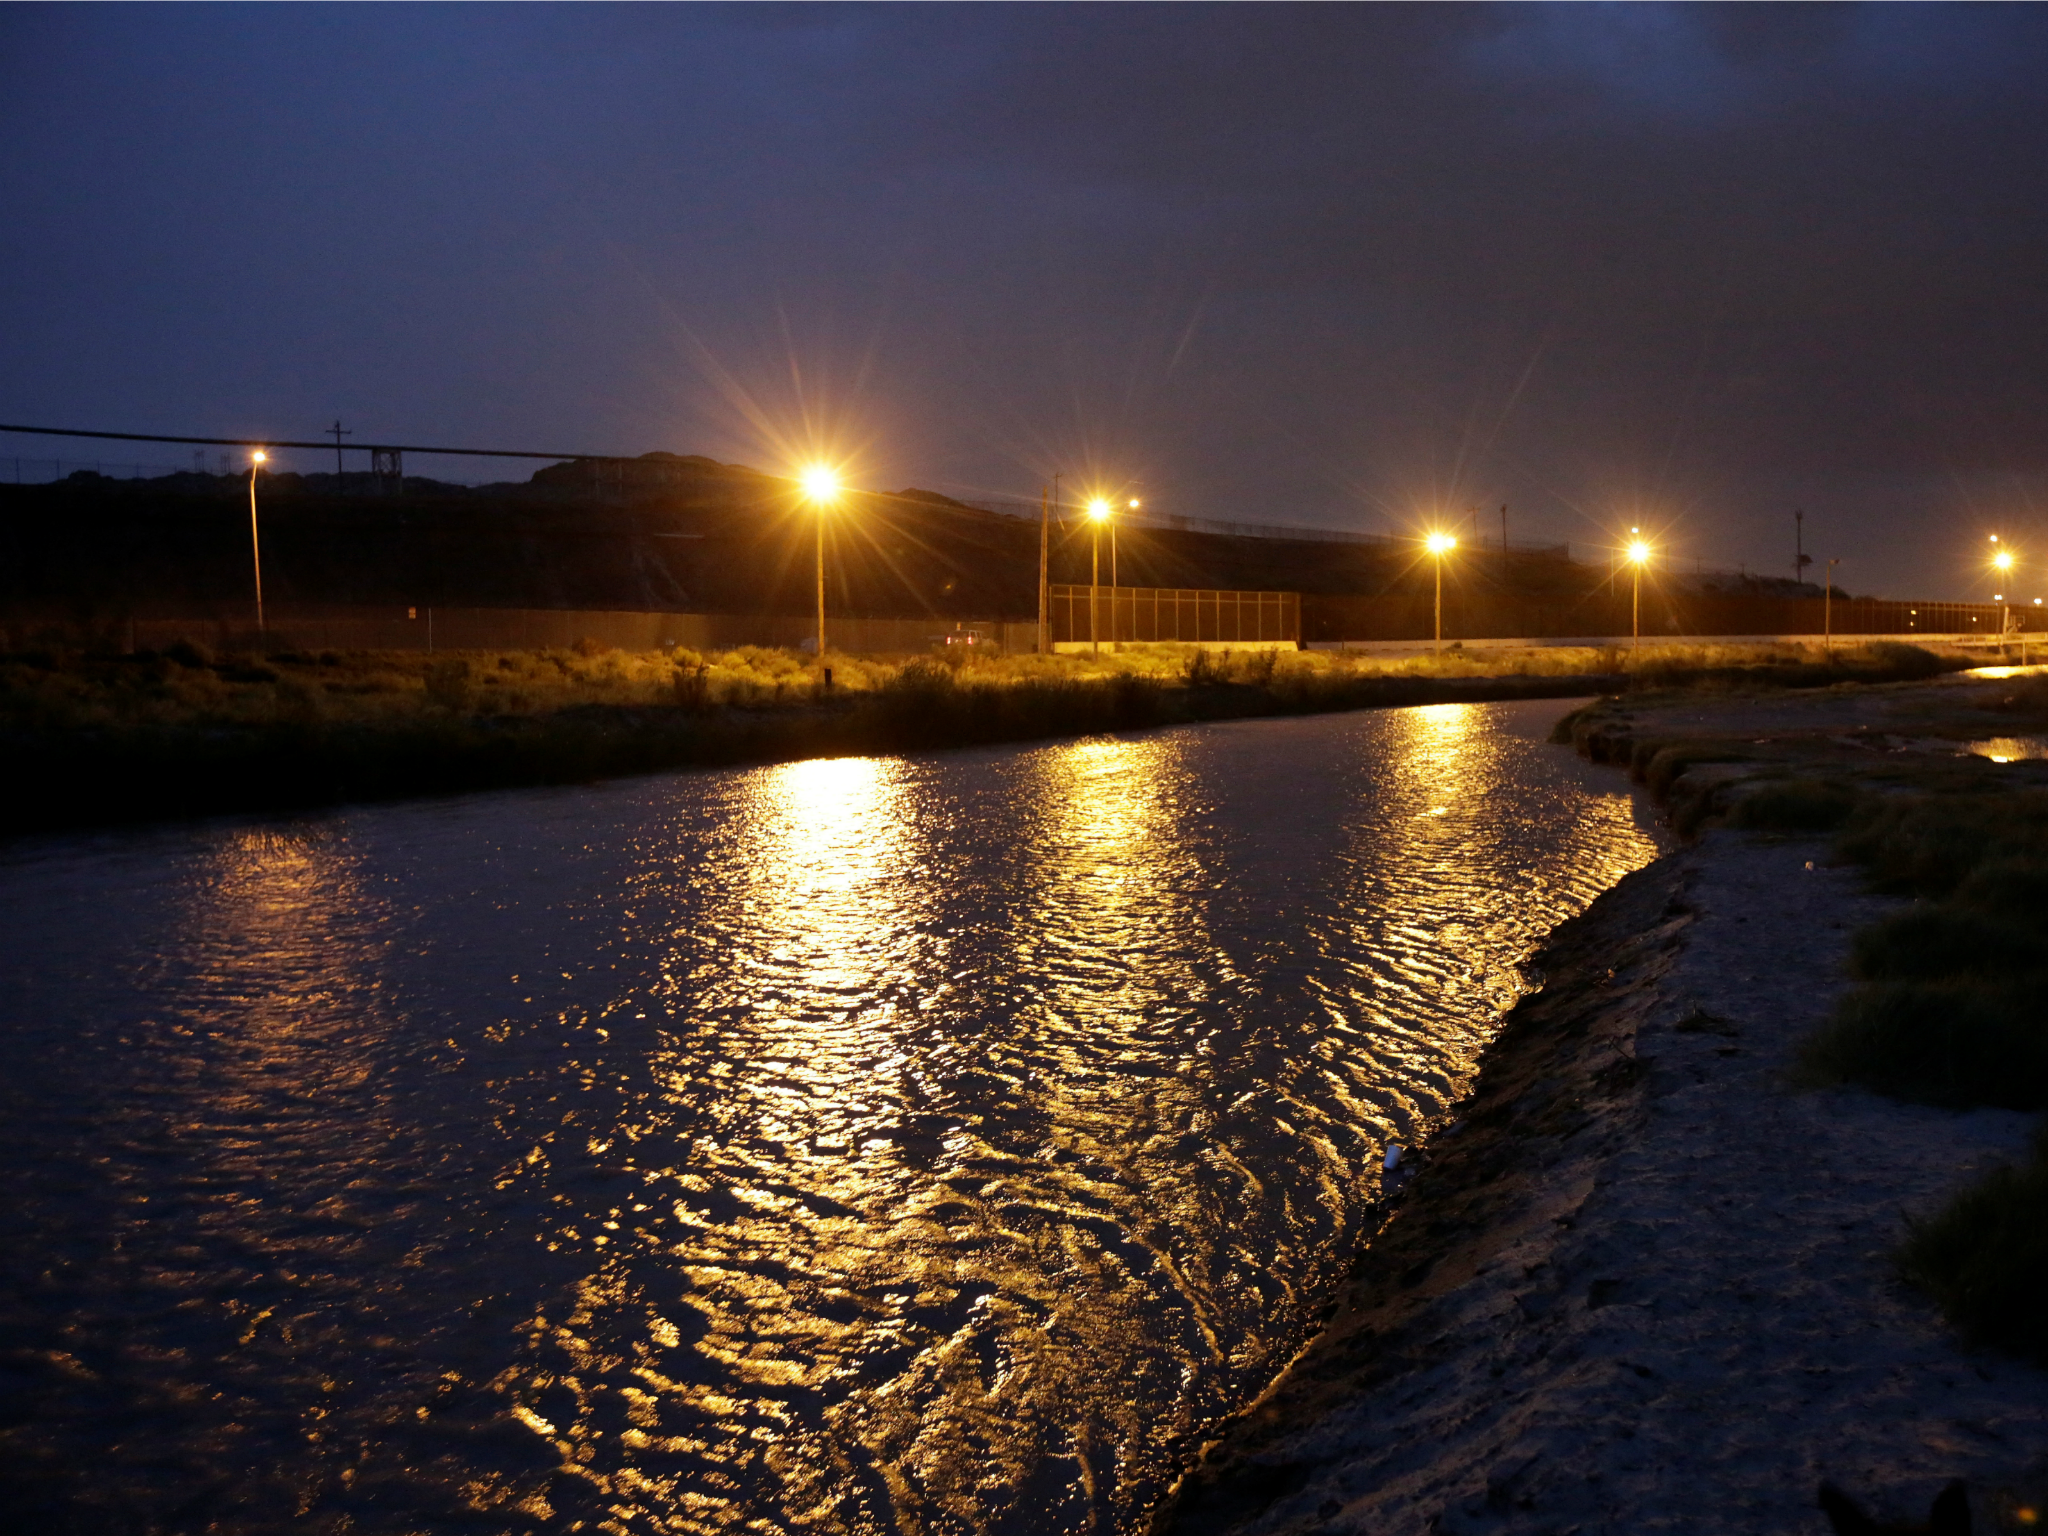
[1640,1284]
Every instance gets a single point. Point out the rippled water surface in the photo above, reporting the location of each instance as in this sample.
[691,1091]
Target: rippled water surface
[931,1144]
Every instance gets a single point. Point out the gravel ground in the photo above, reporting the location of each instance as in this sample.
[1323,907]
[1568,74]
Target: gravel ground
[1643,1286]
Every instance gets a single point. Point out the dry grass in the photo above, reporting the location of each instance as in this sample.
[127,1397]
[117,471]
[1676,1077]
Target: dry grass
[1984,1257]
[105,737]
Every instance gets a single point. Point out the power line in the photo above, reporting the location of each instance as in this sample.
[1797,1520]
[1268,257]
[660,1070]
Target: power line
[276,442]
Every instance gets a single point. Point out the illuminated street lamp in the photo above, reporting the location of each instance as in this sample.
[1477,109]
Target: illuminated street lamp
[2002,563]
[821,489]
[1098,514]
[1440,544]
[1638,555]
[256,459]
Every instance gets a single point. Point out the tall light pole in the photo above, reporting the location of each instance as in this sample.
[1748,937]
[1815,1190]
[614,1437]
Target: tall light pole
[256,460]
[821,489]
[1440,544]
[2003,563]
[1098,514]
[1638,554]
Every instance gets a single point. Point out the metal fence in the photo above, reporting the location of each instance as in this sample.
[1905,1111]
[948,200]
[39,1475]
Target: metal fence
[1150,614]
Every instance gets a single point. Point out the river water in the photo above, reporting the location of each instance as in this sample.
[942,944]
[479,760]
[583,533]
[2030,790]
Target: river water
[930,1144]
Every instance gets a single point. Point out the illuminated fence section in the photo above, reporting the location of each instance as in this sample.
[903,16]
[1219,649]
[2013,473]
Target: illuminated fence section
[1141,614]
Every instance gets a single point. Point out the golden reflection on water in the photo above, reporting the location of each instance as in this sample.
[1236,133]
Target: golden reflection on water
[927,1145]
[991,1136]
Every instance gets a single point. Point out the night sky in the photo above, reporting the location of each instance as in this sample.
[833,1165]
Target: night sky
[1685,267]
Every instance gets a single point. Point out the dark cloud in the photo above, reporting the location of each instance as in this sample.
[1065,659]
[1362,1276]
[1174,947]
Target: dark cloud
[1691,264]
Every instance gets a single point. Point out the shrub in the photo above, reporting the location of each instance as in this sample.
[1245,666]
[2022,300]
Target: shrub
[1957,1042]
[1929,844]
[1795,805]
[448,684]
[2017,886]
[1897,659]
[1929,942]
[1984,1257]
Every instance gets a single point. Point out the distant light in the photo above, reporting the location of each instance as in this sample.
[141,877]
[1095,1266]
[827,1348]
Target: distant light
[1134,503]
[1098,509]
[1998,597]
[259,457]
[820,483]
[1639,551]
[1439,543]
[2003,560]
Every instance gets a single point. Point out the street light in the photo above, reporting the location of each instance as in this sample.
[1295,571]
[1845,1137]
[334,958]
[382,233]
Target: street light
[1638,554]
[1440,544]
[2002,562]
[256,459]
[1098,514]
[821,489]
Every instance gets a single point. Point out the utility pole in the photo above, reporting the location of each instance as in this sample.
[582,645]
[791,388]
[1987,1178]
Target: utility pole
[1827,610]
[339,434]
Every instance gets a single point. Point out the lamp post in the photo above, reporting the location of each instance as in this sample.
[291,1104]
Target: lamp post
[1098,514]
[1638,553]
[256,460]
[2002,562]
[821,489]
[1440,544]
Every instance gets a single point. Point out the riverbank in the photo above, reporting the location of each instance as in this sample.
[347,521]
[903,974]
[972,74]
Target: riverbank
[102,739]
[1643,1283]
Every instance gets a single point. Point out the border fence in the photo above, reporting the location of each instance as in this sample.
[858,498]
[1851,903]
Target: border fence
[1143,615]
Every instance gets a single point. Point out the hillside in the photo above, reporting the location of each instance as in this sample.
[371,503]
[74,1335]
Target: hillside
[687,534]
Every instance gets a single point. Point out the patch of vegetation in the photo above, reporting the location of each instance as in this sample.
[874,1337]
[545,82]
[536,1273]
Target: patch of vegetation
[1949,1011]
[1927,845]
[1941,941]
[102,737]
[1984,1257]
[1957,1042]
[96,738]
[1796,804]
